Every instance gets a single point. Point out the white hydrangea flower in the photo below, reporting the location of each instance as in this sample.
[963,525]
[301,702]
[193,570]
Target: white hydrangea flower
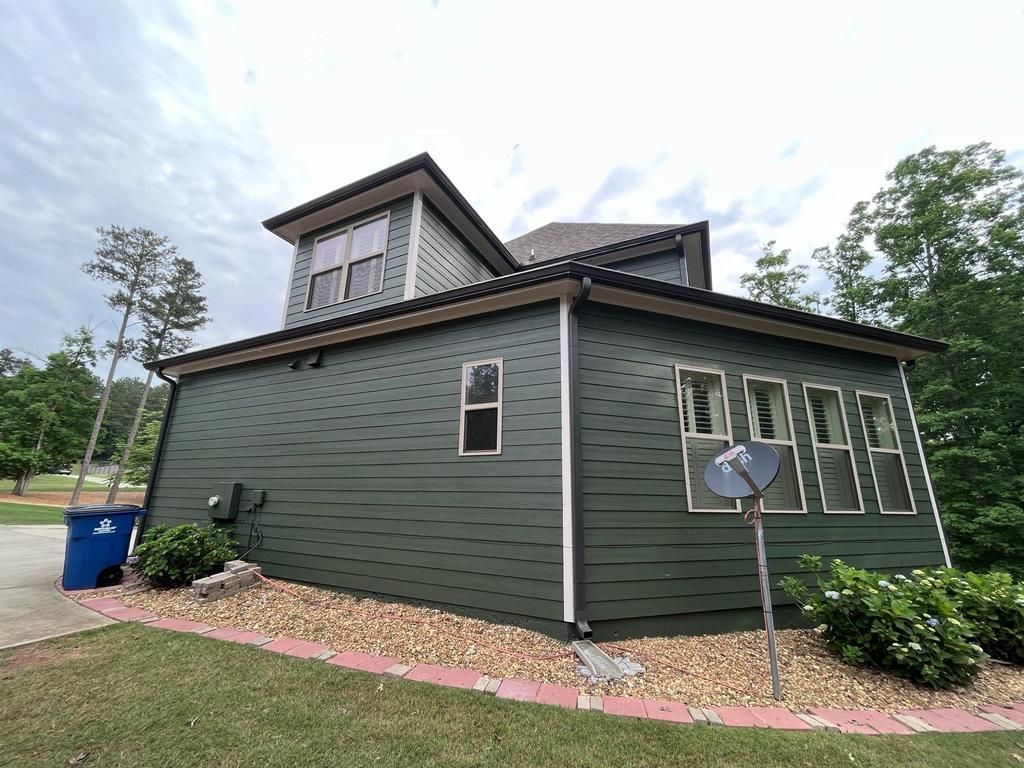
[832,594]
[914,646]
[883,584]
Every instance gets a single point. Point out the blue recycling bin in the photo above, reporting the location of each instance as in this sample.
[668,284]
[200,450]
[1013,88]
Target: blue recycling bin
[97,543]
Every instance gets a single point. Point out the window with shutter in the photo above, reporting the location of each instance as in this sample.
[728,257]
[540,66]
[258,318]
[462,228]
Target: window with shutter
[348,264]
[771,422]
[703,415]
[833,454]
[888,465]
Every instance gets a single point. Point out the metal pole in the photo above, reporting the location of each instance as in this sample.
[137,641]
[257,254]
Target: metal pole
[766,600]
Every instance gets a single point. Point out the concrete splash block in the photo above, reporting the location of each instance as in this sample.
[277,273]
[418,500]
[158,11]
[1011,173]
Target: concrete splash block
[597,661]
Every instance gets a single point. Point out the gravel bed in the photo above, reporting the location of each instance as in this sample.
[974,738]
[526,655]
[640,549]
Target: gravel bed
[737,662]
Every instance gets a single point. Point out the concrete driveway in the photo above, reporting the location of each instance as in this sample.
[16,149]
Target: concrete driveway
[31,558]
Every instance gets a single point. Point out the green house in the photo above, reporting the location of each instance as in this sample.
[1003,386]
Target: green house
[519,429]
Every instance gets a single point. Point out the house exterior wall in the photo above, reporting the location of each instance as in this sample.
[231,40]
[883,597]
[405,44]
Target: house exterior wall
[444,260]
[365,489]
[395,261]
[665,266]
[654,567]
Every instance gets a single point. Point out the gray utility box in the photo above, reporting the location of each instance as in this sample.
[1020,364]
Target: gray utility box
[223,502]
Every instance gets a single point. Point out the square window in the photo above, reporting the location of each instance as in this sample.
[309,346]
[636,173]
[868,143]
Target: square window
[481,432]
[348,264]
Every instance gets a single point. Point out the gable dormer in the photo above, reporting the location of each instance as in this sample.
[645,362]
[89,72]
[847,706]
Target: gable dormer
[401,233]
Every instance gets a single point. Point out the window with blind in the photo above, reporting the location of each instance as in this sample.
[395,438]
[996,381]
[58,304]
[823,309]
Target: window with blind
[771,422]
[480,412]
[833,455]
[348,264]
[888,467]
[704,418]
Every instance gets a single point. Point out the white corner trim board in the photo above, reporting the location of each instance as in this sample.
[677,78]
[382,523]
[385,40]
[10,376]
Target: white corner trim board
[412,262]
[924,465]
[568,575]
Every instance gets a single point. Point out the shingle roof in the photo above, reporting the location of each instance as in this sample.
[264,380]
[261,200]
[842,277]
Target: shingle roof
[562,238]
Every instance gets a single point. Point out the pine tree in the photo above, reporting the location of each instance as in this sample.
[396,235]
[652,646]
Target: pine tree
[135,261]
[168,316]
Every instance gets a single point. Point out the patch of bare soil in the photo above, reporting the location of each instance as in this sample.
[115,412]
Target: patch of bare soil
[61,498]
[36,656]
[702,671]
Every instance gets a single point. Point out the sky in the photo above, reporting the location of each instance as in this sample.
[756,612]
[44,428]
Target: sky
[200,119]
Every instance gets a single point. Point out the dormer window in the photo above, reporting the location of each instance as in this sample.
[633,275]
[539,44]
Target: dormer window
[348,263]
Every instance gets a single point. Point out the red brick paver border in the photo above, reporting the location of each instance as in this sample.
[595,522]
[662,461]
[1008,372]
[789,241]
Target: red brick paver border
[557,695]
[364,662]
[518,690]
[861,721]
[952,720]
[453,678]
[848,721]
[761,717]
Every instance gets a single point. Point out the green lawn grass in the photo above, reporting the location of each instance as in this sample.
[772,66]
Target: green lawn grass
[30,514]
[128,695]
[53,484]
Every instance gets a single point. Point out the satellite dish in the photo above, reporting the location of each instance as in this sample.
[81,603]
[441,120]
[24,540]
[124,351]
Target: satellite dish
[760,461]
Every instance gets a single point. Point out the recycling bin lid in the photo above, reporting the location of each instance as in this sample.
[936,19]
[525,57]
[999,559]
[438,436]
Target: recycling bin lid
[102,509]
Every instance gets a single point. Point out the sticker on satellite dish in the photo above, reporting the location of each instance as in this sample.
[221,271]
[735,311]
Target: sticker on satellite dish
[760,461]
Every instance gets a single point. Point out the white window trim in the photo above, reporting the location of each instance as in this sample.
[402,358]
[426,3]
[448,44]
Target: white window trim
[463,406]
[347,260]
[898,450]
[791,442]
[683,434]
[848,448]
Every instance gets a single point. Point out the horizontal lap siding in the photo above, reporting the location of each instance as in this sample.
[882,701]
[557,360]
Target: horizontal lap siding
[657,266]
[645,554]
[359,460]
[396,258]
[444,260]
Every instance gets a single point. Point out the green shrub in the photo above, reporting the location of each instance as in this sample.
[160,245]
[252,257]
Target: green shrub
[175,556]
[994,604]
[909,626]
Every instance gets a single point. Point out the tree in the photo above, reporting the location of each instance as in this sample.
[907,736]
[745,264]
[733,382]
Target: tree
[854,295]
[125,396]
[951,227]
[168,316]
[134,261]
[136,468]
[9,363]
[44,414]
[776,282]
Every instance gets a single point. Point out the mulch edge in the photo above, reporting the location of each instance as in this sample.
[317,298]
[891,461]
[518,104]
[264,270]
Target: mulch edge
[1008,717]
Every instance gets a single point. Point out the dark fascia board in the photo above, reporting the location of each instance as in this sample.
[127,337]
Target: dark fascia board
[573,270]
[421,162]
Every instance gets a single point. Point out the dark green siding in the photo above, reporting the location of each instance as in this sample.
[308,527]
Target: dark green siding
[657,266]
[359,459]
[646,556]
[395,261]
[444,261]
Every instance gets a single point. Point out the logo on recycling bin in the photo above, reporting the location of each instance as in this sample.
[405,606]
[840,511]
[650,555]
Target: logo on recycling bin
[105,526]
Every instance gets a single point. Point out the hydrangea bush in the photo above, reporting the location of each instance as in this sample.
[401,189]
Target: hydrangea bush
[909,626]
[994,604]
[174,556]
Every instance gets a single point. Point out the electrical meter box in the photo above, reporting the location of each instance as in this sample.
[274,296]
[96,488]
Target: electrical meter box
[223,502]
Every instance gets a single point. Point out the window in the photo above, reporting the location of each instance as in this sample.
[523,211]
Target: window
[480,425]
[833,455]
[348,264]
[704,420]
[772,423]
[888,467]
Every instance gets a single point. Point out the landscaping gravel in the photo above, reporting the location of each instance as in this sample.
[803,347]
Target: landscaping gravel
[720,670]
